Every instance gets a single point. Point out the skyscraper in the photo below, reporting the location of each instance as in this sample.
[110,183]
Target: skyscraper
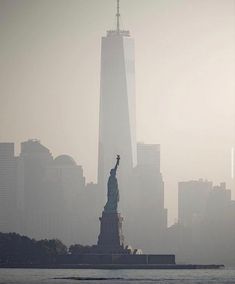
[33,161]
[7,188]
[192,198]
[148,201]
[117,103]
[141,186]
[65,188]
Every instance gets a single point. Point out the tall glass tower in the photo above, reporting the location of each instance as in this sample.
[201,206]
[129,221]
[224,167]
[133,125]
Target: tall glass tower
[117,130]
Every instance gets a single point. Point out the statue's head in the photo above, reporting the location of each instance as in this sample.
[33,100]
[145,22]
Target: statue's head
[113,172]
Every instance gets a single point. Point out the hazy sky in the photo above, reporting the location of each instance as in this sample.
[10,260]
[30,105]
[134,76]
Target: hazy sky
[185,71]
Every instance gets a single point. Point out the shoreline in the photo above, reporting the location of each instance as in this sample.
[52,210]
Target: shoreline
[115,266]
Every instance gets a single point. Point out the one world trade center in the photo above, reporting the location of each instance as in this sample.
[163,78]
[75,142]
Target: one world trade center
[117,126]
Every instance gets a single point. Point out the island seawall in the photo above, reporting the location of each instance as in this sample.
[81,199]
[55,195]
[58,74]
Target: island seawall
[114,261]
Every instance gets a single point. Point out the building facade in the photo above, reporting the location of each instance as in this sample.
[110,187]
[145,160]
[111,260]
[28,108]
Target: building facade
[148,223]
[192,200]
[65,187]
[8,194]
[32,164]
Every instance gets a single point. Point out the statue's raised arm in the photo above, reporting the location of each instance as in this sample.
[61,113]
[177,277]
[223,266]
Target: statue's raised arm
[117,163]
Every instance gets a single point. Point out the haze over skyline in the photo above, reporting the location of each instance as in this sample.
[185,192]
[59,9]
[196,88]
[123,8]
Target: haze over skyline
[185,67]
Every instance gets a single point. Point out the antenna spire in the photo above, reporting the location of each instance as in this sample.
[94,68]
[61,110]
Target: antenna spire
[118,16]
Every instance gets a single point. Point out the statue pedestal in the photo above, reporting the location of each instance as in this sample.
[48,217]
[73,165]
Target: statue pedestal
[111,239]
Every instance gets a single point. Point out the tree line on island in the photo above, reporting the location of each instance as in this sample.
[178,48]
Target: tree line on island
[17,249]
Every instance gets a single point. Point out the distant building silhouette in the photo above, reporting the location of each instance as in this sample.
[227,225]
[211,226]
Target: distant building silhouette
[219,201]
[8,194]
[33,162]
[206,224]
[53,196]
[192,199]
[148,155]
[218,227]
[117,130]
[148,202]
[178,240]
[43,197]
[66,184]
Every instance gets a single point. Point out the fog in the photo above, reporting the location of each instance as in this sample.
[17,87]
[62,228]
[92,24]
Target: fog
[50,57]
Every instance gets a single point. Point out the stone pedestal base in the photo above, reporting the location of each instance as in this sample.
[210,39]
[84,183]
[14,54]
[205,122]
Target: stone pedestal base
[111,239]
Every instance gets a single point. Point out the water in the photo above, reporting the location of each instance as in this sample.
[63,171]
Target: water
[73,276]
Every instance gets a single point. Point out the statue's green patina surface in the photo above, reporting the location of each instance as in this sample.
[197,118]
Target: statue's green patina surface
[113,192]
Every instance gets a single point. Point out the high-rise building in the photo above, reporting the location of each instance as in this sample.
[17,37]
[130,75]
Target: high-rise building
[66,204]
[8,194]
[148,200]
[148,155]
[219,226]
[32,163]
[140,183]
[117,104]
[206,227]
[52,196]
[219,203]
[192,199]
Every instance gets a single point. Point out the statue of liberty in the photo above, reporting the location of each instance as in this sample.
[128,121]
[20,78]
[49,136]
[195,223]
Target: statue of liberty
[113,193]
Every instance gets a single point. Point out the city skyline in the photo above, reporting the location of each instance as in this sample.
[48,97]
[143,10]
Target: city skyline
[45,70]
[47,197]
